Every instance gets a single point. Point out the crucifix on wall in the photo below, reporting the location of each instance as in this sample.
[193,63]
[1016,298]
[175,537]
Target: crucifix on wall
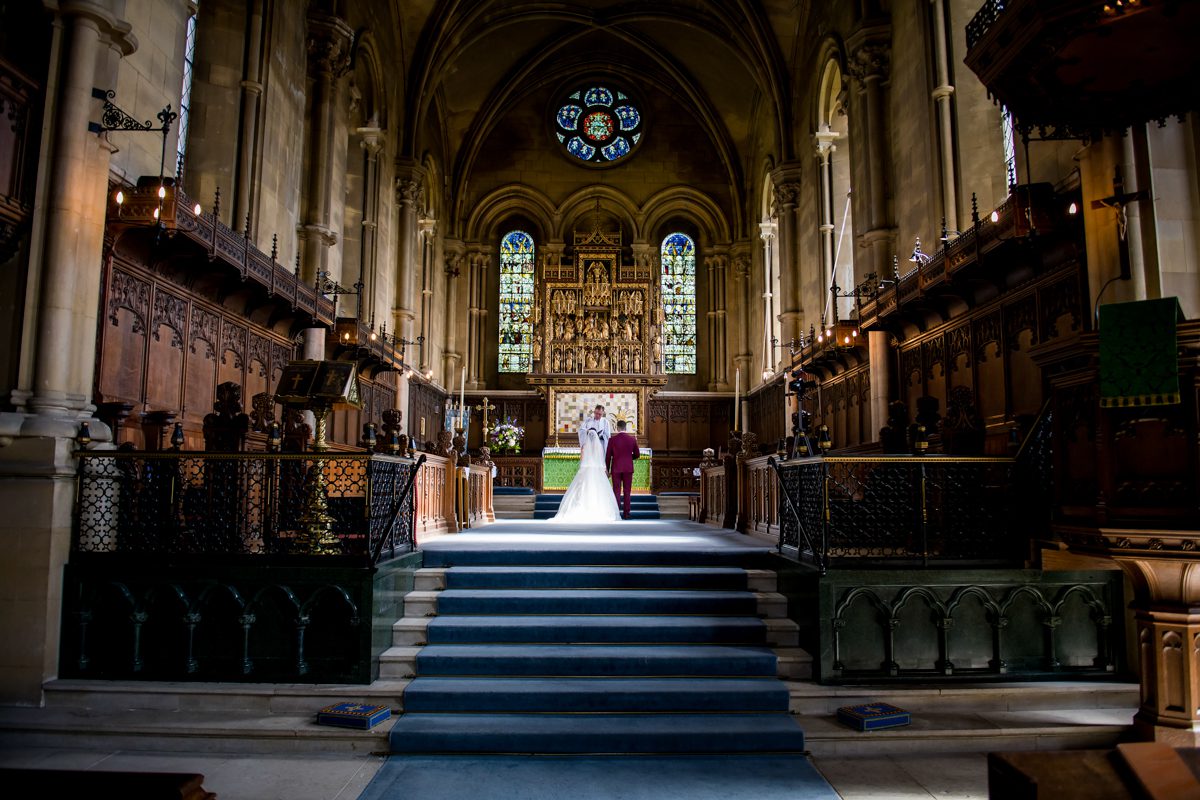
[1119,201]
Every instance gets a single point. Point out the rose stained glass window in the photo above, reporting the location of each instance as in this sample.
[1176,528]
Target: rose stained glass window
[678,284]
[597,126]
[516,302]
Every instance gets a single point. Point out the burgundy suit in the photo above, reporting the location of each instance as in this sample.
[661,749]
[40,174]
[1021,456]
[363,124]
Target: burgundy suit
[618,460]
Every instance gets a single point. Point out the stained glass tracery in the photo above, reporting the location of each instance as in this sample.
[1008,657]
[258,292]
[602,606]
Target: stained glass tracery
[597,125]
[678,283]
[516,302]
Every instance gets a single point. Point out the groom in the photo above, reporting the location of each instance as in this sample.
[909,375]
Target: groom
[618,462]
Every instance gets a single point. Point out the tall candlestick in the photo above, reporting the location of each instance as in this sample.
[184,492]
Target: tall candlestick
[737,398]
[462,396]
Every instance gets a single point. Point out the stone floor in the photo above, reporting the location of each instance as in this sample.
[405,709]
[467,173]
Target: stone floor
[343,777]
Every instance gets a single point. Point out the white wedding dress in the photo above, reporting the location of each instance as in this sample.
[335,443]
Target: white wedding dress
[590,497]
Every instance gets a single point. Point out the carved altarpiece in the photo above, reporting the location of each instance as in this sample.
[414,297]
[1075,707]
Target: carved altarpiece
[597,328]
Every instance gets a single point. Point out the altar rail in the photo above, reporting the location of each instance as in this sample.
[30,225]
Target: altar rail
[849,510]
[240,504]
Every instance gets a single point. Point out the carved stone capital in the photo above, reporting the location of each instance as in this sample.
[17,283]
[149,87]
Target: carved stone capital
[872,60]
[410,190]
[787,195]
[329,43]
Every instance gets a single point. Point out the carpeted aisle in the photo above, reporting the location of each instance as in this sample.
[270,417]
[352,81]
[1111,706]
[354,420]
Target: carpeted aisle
[598,778]
[611,661]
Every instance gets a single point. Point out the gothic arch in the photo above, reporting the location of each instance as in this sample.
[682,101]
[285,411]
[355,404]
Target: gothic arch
[581,203]
[504,202]
[684,201]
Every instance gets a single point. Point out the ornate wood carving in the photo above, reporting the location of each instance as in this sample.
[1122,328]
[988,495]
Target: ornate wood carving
[132,294]
[1057,300]
[204,329]
[678,411]
[171,311]
[233,339]
[260,351]
[657,412]
[935,354]
[960,345]
[986,331]
[280,356]
[910,365]
[1020,315]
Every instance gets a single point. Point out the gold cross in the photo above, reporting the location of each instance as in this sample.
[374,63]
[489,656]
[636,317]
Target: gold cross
[485,407]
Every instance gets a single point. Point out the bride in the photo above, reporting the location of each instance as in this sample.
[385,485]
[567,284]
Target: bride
[590,497]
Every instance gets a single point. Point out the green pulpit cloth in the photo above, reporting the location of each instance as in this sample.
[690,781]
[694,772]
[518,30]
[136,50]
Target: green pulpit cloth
[1139,360]
[559,465]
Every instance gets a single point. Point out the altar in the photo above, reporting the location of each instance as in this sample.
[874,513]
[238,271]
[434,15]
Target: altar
[559,465]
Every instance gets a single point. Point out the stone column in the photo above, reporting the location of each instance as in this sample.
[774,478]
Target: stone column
[477,323]
[879,353]
[786,180]
[739,291]
[768,233]
[825,150]
[869,64]
[453,356]
[329,41]
[718,355]
[942,98]
[371,139]
[251,85]
[58,347]
[409,200]
[427,230]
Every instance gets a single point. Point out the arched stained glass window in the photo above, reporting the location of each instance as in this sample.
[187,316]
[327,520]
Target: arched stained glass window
[597,125]
[516,302]
[678,282]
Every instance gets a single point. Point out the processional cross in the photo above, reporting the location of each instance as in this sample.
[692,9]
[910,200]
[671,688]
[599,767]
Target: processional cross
[485,407]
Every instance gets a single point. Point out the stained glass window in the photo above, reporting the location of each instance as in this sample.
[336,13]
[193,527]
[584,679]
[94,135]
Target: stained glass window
[678,284]
[597,125]
[516,302]
[185,94]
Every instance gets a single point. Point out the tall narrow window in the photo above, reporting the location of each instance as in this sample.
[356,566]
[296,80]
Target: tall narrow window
[679,304]
[185,94]
[516,302]
[1010,146]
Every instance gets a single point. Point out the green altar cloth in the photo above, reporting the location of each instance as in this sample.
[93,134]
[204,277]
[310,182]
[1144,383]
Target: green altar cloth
[559,468]
[1139,359]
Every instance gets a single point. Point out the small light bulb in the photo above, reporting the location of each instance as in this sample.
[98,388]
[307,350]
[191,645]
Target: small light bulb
[196,209]
[345,337]
[995,216]
[373,337]
[156,213]
[820,338]
[120,197]
[162,191]
[828,332]
[766,375]
[1072,209]
[854,333]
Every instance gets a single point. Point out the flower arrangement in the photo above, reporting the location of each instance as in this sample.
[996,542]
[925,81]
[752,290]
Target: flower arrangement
[507,436]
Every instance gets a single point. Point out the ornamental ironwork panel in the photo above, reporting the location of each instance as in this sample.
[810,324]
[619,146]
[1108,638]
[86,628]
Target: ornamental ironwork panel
[254,504]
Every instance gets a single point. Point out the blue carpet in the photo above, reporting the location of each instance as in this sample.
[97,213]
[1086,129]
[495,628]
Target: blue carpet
[598,778]
[534,629]
[708,578]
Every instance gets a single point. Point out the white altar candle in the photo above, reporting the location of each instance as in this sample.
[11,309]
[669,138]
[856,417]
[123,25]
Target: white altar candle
[737,398]
[462,397]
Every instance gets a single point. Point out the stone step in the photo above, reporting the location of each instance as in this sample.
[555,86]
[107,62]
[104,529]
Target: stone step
[809,698]
[399,663]
[972,732]
[661,601]
[434,579]
[185,731]
[415,631]
[158,697]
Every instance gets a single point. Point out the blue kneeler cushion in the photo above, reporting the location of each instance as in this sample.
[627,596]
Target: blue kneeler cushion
[873,716]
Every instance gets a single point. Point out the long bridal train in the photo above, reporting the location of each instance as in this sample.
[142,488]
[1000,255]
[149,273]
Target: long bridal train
[590,497]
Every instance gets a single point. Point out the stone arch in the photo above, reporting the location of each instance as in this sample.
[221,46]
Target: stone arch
[685,202]
[492,211]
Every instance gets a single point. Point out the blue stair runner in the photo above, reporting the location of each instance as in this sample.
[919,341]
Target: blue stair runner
[568,653]
[641,506]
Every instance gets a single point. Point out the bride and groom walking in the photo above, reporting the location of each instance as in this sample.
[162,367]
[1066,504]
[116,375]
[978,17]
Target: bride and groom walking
[589,498]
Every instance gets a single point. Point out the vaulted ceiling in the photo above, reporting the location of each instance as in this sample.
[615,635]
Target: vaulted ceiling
[728,63]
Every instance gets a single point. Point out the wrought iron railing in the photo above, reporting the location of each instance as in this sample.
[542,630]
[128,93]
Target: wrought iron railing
[983,19]
[252,504]
[850,510]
